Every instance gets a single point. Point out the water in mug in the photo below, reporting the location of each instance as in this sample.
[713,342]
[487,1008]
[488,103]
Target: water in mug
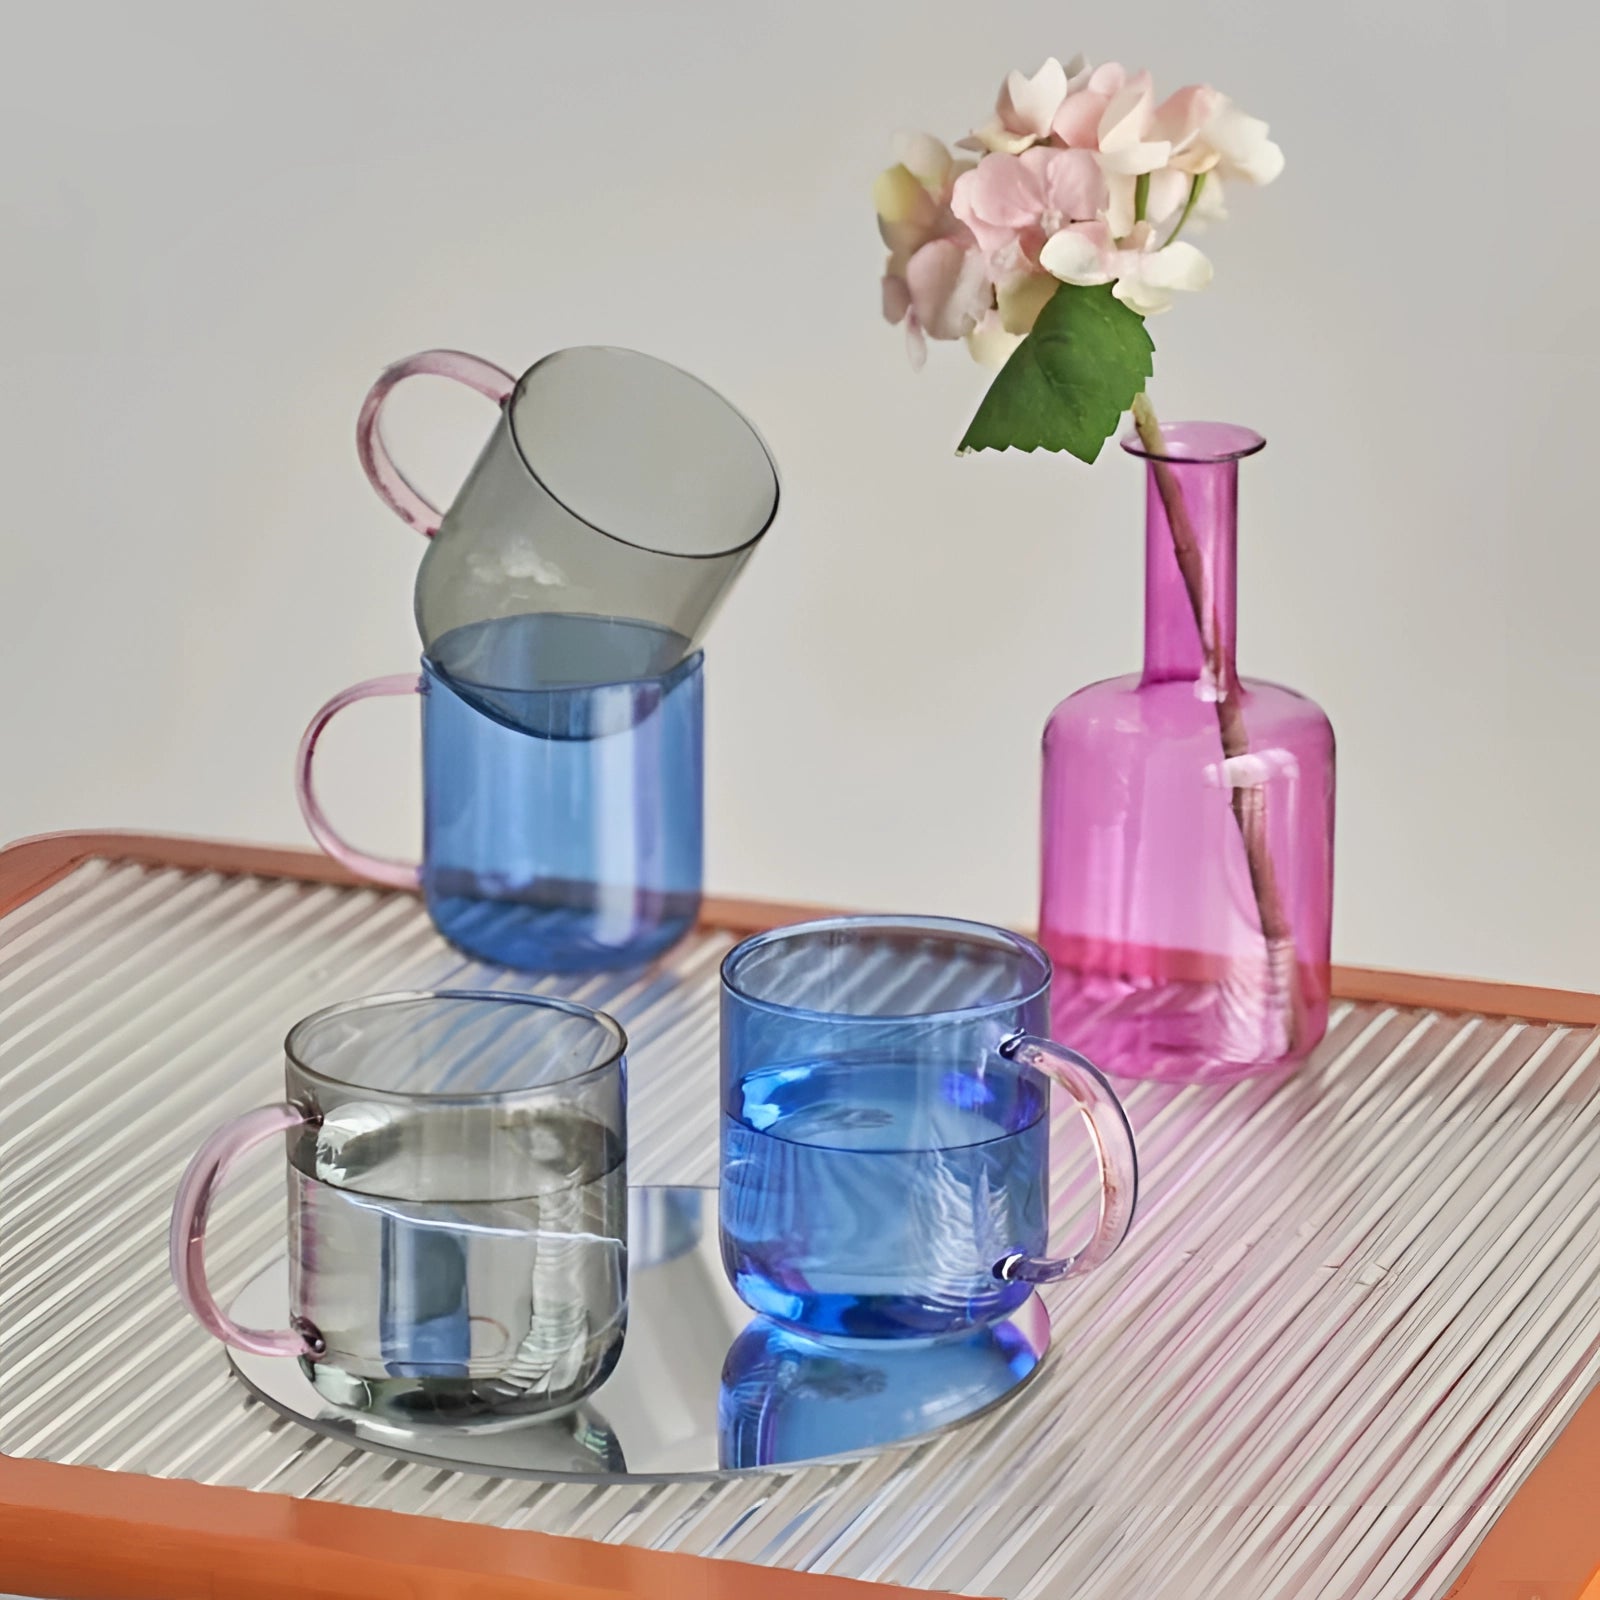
[564,824]
[872,1199]
[452,1310]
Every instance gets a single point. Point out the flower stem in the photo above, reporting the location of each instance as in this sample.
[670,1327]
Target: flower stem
[1249,800]
[1196,184]
[1141,196]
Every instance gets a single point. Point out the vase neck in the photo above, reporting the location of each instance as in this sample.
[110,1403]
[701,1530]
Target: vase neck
[1205,496]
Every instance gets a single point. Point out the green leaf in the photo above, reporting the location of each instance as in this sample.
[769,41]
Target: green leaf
[1068,383]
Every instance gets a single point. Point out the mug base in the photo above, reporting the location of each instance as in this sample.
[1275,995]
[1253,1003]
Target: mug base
[458,1404]
[866,1318]
[564,933]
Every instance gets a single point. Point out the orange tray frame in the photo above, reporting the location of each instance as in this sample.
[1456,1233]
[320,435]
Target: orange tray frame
[80,1533]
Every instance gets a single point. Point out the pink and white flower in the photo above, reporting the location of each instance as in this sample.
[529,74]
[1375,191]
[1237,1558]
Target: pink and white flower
[947,294]
[1114,116]
[935,281]
[1012,204]
[913,196]
[1076,123]
[1083,179]
[1144,274]
[1026,108]
[1209,134]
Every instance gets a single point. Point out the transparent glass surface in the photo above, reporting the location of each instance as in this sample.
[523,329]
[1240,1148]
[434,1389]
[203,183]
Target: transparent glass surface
[614,487]
[1187,879]
[457,1204]
[563,827]
[879,1153]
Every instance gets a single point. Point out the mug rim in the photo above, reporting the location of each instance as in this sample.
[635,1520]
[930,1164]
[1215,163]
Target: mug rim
[669,679]
[988,932]
[395,997]
[631,544]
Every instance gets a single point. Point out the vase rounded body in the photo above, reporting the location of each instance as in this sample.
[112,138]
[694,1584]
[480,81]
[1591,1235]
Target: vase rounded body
[1187,875]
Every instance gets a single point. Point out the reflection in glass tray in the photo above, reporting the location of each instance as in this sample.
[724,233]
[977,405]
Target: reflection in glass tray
[702,1388]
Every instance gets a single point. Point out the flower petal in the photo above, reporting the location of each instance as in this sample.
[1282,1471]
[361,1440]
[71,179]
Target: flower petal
[896,297]
[925,158]
[1180,118]
[1075,255]
[1231,133]
[1027,105]
[1123,127]
[1212,206]
[1120,193]
[1010,260]
[904,239]
[916,343]
[950,289]
[1243,145]
[1177,266]
[1168,194]
[1077,123]
[996,136]
[1137,158]
[1144,298]
[1003,191]
[1022,299]
[989,344]
[1069,182]
[900,198]
[974,191]
[1263,166]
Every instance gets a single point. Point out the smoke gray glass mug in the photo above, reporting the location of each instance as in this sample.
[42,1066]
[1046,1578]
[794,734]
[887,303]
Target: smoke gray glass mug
[457,1206]
[614,488]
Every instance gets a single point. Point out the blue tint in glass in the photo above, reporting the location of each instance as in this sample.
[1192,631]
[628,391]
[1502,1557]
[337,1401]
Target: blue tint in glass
[789,1396]
[879,1155]
[563,822]
[425,1326]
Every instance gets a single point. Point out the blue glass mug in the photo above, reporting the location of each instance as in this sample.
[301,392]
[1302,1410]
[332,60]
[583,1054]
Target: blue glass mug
[885,1127]
[563,823]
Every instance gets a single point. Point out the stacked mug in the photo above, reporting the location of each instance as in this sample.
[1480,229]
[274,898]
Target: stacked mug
[562,602]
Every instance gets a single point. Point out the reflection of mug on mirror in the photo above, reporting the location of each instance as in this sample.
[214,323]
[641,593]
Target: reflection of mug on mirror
[457,1230]
[787,1396]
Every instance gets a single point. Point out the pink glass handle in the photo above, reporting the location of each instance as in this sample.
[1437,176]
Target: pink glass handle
[378,869]
[391,483]
[1113,1143]
[187,1238]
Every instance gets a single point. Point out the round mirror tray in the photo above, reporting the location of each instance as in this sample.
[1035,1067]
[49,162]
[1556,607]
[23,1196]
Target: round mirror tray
[702,1388]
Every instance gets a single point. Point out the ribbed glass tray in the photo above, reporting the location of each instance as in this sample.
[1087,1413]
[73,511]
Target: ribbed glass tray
[1357,1304]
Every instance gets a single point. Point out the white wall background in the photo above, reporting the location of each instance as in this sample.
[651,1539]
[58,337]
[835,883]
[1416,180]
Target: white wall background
[220,221]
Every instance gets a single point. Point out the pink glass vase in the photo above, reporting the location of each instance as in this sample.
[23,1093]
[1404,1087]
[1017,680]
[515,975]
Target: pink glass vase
[1188,817]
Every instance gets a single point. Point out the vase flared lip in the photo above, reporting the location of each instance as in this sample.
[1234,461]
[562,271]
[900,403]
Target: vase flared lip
[1198,443]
